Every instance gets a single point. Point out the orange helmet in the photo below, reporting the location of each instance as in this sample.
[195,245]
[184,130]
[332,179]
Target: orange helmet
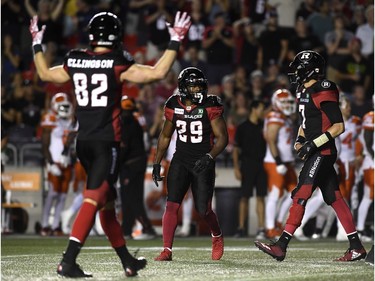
[57,99]
[127,103]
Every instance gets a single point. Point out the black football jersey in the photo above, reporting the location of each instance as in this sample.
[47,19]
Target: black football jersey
[97,86]
[313,120]
[193,126]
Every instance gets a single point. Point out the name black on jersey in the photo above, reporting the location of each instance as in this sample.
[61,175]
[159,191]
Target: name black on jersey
[96,78]
[193,125]
[312,119]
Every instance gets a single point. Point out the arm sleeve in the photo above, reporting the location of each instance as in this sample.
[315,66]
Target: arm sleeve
[332,110]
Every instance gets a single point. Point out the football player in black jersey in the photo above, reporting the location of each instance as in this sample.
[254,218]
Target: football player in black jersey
[320,123]
[201,137]
[97,75]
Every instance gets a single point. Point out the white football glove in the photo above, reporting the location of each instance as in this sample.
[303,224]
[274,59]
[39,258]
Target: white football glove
[180,27]
[36,34]
[64,160]
[281,169]
[54,169]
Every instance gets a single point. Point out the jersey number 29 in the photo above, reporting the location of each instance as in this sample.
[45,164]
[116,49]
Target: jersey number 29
[196,131]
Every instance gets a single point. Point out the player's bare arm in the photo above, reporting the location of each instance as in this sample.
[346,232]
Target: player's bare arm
[236,162]
[55,74]
[271,138]
[219,128]
[164,140]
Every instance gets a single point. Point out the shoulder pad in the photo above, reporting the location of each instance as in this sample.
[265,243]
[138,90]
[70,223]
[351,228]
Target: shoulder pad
[172,101]
[213,100]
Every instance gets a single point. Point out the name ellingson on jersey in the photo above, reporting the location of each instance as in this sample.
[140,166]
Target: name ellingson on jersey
[83,63]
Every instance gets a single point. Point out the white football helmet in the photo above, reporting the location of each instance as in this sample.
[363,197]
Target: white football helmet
[57,99]
[284,102]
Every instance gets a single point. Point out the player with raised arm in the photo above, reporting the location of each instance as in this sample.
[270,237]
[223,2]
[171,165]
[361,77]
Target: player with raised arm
[97,75]
[320,123]
[198,120]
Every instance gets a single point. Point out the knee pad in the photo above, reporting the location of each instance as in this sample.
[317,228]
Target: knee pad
[297,210]
[99,195]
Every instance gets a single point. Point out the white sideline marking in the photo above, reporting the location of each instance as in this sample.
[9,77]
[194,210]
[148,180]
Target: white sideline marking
[204,249]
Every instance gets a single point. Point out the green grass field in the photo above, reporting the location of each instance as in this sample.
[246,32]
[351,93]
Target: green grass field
[32,258]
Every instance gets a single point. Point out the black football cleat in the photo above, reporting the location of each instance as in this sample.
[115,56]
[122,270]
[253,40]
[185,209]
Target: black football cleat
[71,271]
[272,249]
[132,268]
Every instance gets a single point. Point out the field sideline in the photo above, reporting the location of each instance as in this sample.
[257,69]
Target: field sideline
[32,258]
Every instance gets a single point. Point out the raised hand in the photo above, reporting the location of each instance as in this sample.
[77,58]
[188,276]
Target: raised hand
[180,27]
[36,34]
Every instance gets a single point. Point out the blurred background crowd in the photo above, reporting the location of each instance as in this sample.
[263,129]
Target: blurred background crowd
[243,47]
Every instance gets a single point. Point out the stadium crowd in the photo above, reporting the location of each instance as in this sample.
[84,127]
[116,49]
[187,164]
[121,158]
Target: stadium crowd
[243,48]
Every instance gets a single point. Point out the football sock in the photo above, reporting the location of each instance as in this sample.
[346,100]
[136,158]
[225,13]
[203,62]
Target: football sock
[111,227]
[58,210]
[84,222]
[72,252]
[362,212]
[284,240]
[354,241]
[344,215]
[170,223]
[124,255]
[48,205]
[212,222]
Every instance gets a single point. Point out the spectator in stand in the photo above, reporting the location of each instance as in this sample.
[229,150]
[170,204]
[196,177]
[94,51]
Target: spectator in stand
[248,153]
[365,32]
[166,87]
[360,105]
[30,108]
[218,43]
[353,68]
[256,12]
[12,18]
[10,58]
[320,22]
[227,94]
[336,42]
[213,7]
[306,8]
[157,15]
[198,25]
[257,85]
[241,84]
[150,102]
[273,44]
[358,18]
[192,58]
[85,11]
[239,111]
[8,112]
[49,14]
[303,40]
[246,44]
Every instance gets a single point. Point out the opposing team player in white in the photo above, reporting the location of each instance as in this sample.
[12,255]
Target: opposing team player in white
[279,159]
[56,124]
[367,140]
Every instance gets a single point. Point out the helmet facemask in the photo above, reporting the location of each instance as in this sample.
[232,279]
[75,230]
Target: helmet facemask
[192,85]
[64,110]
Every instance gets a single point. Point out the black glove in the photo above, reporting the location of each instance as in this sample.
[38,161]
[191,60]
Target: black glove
[203,163]
[308,149]
[156,174]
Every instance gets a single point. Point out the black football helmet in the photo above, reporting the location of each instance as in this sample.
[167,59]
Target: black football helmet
[192,77]
[105,30]
[305,66]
